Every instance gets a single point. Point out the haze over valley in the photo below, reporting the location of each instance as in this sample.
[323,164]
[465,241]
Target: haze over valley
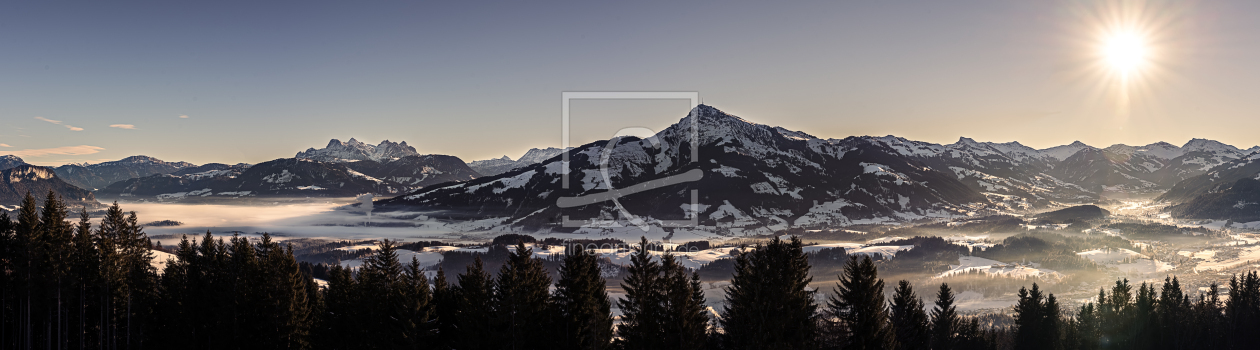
[1072,217]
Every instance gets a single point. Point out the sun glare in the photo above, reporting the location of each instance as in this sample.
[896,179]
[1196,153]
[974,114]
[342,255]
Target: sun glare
[1125,52]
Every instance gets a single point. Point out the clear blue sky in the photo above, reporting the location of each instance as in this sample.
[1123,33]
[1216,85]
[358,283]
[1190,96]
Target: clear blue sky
[260,80]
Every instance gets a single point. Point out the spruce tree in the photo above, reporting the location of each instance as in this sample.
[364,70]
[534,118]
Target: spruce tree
[970,336]
[1207,321]
[522,300]
[1051,323]
[909,321]
[642,320]
[1036,320]
[1172,311]
[339,327]
[686,319]
[85,273]
[474,305]
[1116,314]
[1086,327]
[179,320]
[859,308]
[380,293]
[417,307]
[768,304]
[1143,327]
[56,253]
[584,318]
[444,309]
[241,277]
[28,271]
[945,321]
[9,309]
[1242,311]
[284,306]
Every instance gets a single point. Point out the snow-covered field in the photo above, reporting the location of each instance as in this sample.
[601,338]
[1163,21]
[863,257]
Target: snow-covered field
[1246,256]
[1127,261]
[968,264]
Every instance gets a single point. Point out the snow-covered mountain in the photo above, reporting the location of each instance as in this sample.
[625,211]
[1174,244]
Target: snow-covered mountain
[281,177]
[755,178]
[296,177]
[759,178]
[16,182]
[1061,153]
[413,172]
[353,150]
[501,165]
[1229,191]
[100,175]
[11,161]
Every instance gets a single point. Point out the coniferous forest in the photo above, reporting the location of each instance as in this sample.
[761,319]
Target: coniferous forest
[71,284]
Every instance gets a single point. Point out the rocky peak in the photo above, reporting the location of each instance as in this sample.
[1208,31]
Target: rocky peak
[355,150]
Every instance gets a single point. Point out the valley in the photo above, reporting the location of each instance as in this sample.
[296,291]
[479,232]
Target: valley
[985,217]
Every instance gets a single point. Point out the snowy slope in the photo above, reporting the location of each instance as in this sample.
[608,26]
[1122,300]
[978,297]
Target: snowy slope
[756,178]
[505,164]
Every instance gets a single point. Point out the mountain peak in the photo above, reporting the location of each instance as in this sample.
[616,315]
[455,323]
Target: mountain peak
[354,150]
[962,140]
[10,161]
[1205,145]
[1121,148]
[1078,144]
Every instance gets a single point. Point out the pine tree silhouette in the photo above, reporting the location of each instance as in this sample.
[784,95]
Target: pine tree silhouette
[768,305]
[686,319]
[474,300]
[945,322]
[522,301]
[909,321]
[859,308]
[584,317]
[642,320]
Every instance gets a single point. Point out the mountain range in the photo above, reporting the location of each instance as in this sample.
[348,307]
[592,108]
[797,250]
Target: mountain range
[755,177]
[353,150]
[17,181]
[761,178]
[498,166]
[97,176]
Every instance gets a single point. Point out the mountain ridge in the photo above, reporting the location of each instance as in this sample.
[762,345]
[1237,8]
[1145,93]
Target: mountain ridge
[761,177]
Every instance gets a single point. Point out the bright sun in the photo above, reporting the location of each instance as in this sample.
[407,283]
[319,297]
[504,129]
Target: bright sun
[1125,52]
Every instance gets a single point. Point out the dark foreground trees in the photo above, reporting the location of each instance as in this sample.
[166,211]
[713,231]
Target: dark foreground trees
[664,305]
[67,283]
[768,303]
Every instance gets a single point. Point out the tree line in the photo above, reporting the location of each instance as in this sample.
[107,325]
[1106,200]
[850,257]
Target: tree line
[76,285]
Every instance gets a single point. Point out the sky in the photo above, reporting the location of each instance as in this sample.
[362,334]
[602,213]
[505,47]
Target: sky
[232,82]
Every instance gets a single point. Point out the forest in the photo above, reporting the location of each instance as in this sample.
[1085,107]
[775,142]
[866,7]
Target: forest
[71,284]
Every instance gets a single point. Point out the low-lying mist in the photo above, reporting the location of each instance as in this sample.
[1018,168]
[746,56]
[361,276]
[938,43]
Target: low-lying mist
[334,219]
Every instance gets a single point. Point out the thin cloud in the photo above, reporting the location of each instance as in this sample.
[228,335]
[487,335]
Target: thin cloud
[58,122]
[184,116]
[67,150]
[5,145]
[123,126]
